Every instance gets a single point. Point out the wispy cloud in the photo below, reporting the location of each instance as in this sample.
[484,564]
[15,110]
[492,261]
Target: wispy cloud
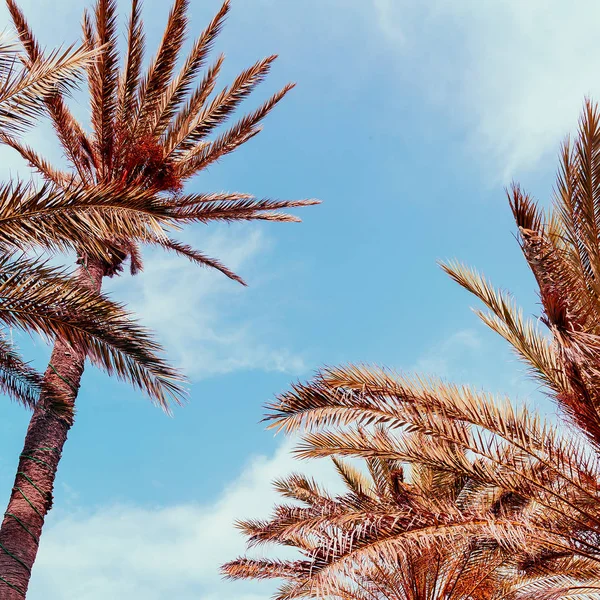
[206,321]
[451,356]
[166,552]
[512,73]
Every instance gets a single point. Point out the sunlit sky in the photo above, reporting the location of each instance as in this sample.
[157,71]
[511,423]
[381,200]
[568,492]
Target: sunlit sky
[408,120]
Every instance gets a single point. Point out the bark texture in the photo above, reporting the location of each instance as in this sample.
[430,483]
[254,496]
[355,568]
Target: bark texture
[31,496]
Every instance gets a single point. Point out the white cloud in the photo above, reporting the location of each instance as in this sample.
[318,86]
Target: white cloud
[513,73]
[197,312]
[128,552]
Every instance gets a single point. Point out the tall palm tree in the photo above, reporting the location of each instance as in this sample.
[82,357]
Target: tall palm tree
[151,133]
[555,466]
[40,299]
[373,542]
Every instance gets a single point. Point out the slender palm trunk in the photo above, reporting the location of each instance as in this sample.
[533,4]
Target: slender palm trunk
[31,496]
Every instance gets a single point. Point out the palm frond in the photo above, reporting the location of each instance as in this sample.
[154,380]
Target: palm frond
[352,477]
[23,91]
[182,125]
[59,178]
[233,207]
[40,299]
[69,132]
[103,77]
[80,218]
[152,132]
[199,258]
[130,78]
[204,155]
[160,73]
[222,107]
[18,380]
[508,321]
[175,94]
[396,542]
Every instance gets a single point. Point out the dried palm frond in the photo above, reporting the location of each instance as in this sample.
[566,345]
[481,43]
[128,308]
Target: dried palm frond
[18,380]
[23,90]
[399,540]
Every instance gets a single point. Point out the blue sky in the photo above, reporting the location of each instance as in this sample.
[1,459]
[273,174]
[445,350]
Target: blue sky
[408,120]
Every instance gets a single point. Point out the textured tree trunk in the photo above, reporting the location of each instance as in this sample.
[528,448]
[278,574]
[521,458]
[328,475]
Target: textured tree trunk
[31,496]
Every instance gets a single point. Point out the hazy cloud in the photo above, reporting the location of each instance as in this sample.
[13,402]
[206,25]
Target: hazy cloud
[163,552]
[512,73]
[204,319]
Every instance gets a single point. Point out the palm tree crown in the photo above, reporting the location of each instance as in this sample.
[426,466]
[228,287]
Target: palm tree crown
[151,130]
[485,438]
[375,541]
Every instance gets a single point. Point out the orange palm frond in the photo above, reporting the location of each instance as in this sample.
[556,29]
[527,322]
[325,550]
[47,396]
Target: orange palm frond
[60,179]
[183,122]
[18,380]
[176,93]
[199,258]
[103,78]
[221,108]
[130,77]
[69,132]
[203,156]
[40,299]
[395,540]
[161,70]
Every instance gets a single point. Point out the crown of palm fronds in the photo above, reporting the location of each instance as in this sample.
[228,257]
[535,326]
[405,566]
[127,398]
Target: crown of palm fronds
[154,130]
[555,467]
[454,429]
[412,539]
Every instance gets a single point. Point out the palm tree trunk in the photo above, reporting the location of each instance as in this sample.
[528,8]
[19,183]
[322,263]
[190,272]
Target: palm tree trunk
[31,496]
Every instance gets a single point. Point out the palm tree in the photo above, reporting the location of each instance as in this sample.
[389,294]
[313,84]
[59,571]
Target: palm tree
[36,298]
[151,132]
[372,542]
[555,466]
